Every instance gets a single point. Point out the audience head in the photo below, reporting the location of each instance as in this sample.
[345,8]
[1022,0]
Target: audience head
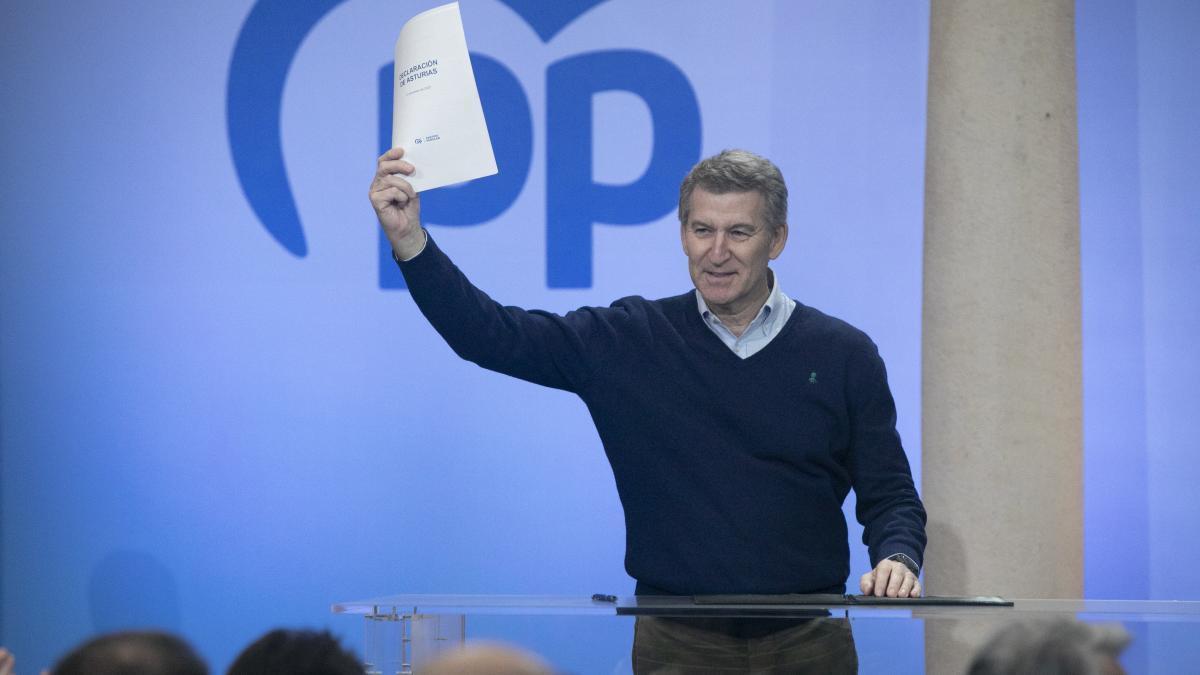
[1057,647]
[487,659]
[132,653]
[296,652]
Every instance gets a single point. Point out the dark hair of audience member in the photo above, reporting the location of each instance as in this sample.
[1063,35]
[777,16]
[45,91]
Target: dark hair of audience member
[132,653]
[296,652]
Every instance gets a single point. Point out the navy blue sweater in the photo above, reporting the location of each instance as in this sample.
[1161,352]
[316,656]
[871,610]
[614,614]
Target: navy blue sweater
[732,472]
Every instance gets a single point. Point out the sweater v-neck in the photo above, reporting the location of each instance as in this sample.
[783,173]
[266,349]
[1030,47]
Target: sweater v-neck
[695,322]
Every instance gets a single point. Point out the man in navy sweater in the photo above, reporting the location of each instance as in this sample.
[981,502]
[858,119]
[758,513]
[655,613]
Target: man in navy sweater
[736,419]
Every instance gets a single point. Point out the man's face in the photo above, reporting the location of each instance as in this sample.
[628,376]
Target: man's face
[728,246]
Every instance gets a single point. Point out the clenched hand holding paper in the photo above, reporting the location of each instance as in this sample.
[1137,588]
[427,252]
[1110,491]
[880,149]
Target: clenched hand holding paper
[436,114]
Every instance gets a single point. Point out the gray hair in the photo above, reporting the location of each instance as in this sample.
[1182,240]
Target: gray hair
[1063,646]
[738,171]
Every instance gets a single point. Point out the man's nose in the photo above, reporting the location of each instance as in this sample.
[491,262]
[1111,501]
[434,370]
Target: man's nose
[720,248]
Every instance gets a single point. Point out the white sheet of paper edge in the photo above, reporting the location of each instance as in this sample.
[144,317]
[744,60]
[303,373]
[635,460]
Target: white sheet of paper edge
[436,114]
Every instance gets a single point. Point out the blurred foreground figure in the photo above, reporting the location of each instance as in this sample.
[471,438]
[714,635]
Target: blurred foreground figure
[1058,647]
[7,662]
[132,653]
[296,652]
[488,659]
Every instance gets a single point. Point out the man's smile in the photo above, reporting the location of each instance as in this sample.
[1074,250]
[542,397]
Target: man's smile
[720,275]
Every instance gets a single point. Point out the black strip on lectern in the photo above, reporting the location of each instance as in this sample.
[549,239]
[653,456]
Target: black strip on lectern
[831,600]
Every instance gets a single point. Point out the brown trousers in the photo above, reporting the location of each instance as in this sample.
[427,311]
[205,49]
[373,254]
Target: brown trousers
[671,646]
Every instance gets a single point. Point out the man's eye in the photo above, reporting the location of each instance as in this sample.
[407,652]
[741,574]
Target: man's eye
[739,234]
[700,231]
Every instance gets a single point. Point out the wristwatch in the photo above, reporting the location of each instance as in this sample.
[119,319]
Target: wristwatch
[907,562]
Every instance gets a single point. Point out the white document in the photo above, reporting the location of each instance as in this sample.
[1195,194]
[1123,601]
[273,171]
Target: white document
[436,114]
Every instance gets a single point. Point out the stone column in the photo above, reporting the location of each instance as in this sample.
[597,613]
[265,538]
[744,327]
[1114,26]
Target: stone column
[1001,361]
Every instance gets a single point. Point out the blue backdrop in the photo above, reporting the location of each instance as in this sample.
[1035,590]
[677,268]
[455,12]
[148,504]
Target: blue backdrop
[220,412]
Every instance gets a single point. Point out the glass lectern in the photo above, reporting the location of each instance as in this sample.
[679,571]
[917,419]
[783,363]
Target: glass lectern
[404,632]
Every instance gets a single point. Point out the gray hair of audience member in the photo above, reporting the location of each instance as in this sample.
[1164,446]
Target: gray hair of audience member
[1056,647]
[487,658]
[738,171]
[298,652]
[132,653]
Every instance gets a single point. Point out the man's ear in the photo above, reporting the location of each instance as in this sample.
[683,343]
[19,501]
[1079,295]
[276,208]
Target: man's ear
[779,240]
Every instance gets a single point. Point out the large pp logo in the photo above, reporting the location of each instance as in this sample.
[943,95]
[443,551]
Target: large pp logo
[273,32]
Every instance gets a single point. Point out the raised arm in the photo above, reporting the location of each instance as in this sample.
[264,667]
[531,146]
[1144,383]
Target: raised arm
[555,351]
